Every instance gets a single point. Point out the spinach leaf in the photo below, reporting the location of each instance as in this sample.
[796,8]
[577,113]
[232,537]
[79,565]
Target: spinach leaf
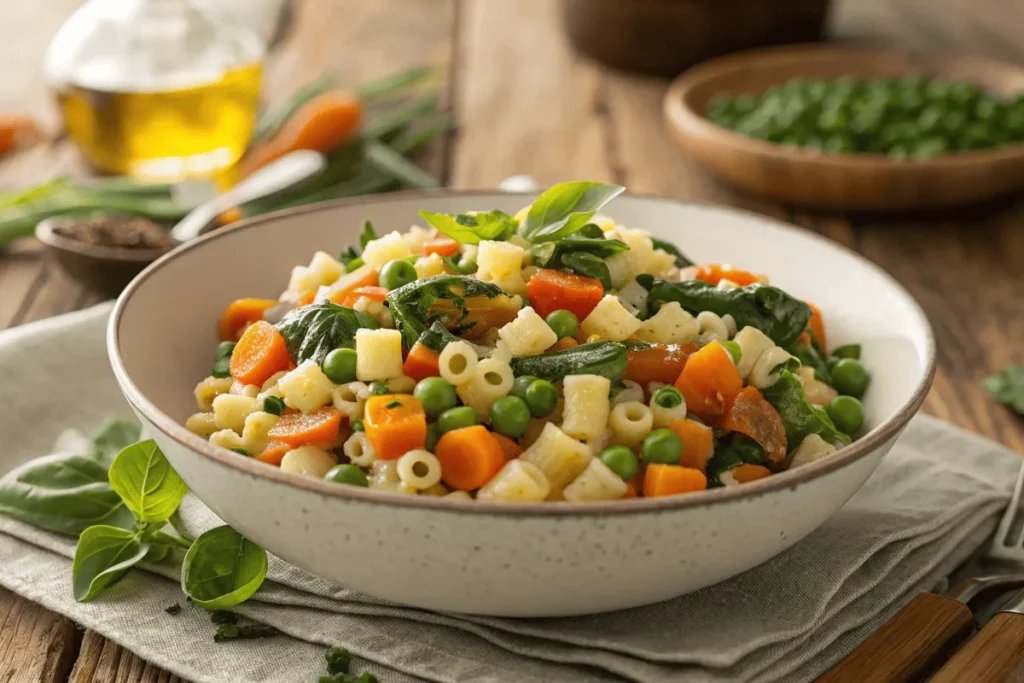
[565,208]
[809,356]
[799,417]
[112,437]
[414,306]
[223,569]
[438,336]
[472,228]
[1007,387]
[103,555]
[367,235]
[581,255]
[311,332]
[769,309]
[588,265]
[348,256]
[607,359]
[147,484]
[669,248]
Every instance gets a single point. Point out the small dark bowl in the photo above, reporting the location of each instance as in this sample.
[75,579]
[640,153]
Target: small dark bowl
[667,36]
[104,270]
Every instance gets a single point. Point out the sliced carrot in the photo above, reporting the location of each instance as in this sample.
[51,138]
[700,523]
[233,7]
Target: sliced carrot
[817,325]
[753,415]
[363,276]
[563,344]
[375,293]
[657,363]
[274,453]
[716,272]
[395,425]
[508,446]
[551,290]
[421,363]
[709,382]
[698,442]
[669,480]
[442,246]
[240,313]
[260,353]
[630,491]
[470,457]
[298,429]
[748,472]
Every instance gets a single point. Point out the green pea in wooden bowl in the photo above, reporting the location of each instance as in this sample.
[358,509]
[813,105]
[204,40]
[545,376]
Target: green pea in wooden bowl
[869,182]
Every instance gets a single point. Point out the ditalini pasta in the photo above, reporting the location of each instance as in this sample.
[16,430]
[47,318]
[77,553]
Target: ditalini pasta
[554,356]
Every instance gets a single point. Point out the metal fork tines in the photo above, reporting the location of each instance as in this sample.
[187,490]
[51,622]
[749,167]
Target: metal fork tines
[1005,546]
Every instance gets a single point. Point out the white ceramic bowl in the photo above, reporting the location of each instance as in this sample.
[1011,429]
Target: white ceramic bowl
[527,560]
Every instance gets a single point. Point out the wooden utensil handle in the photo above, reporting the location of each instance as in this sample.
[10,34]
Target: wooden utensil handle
[910,646]
[991,655]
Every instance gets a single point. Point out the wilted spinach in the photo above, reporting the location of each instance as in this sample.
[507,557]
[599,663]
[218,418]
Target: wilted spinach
[799,417]
[581,255]
[311,332]
[413,306]
[438,336]
[809,356]
[607,359]
[472,228]
[681,260]
[564,209]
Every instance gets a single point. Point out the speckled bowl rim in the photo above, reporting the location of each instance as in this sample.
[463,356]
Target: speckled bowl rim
[775,483]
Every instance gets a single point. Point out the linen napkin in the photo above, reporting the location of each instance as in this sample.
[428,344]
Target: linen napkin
[930,504]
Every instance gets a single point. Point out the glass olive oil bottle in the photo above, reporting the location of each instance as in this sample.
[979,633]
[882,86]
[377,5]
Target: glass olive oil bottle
[158,89]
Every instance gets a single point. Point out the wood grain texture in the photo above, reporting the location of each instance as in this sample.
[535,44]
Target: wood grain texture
[989,657]
[911,645]
[36,645]
[102,661]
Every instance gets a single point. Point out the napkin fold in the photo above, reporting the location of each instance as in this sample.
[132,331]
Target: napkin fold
[927,508]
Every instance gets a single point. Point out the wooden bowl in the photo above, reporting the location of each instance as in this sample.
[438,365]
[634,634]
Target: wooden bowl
[666,36]
[871,182]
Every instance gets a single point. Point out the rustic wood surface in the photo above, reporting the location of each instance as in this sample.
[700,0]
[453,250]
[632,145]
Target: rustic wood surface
[528,104]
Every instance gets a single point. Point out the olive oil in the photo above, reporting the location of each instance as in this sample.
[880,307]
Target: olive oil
[164,135]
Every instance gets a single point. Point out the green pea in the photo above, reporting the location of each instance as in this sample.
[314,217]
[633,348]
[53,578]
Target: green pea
[241,451]
[850,378]
[542,398]
[667,397]
[749,450]
[222,360]
[620,460]
[521,384]
[358,426]
[433,434]
[378,388]
[396,273]
[347,474]
[509,416]
[563,323]
[847,414]
[436,394]
[662,446]
[734,350]
[273,405]
[338,659]
[847,351]
[340,366]
[355,264]
[457,418]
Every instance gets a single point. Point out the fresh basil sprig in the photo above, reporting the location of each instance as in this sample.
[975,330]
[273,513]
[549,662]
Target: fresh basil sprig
[222,569]
[564,209]
[104,553]
[472,228]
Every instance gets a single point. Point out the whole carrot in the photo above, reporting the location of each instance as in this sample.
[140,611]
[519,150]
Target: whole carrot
[16,131]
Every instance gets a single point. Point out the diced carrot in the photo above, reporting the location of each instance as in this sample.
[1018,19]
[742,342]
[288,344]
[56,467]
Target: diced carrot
[817,325]
[563,344]
[306,299]
[260,353]
[442,246]
[298,429]
[508,446]
[716,272]
[421,363]
[470,457]
[753,415]
[698,442]
[669,480]
[630,491]
[749,472]
[363,276]
[395,424]
[709,382]
[274,452]
[804,338]
[375,293]
[657,363]
[551,290]
[240,313]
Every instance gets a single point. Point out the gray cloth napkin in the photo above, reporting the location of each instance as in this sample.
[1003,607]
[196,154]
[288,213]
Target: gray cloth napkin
[931,504]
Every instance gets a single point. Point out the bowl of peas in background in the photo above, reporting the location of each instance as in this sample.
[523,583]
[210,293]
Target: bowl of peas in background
[856,129]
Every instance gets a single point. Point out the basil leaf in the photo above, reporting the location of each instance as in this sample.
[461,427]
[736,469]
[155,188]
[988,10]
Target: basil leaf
[414,309]
[588,265]
[565,208]
[472,228]
[552,254]
[669,248]
[799,417]
[769,309]
[114,436]
[146,482]
[1007,387]
[367,235]
[223,569]
[607,359]
[311,332]
[103,555]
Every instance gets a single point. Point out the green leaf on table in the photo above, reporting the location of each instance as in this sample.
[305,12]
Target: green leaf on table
[313,331]
[564,209]
[223,569]
[417,305]
[114,436]
[103,555]
[1007,387]
[472,228]
[146,482]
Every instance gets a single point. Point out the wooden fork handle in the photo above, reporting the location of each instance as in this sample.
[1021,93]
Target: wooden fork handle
[909,646]
[990,656]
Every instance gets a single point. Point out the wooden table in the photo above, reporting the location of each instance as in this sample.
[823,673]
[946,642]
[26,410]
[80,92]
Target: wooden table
[527,104]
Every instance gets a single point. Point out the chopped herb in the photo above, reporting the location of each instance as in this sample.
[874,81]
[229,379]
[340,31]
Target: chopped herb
[357,426]
[338,659]
[394,404]
[251,632]
[173,609]
[223,617]
[241,451]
